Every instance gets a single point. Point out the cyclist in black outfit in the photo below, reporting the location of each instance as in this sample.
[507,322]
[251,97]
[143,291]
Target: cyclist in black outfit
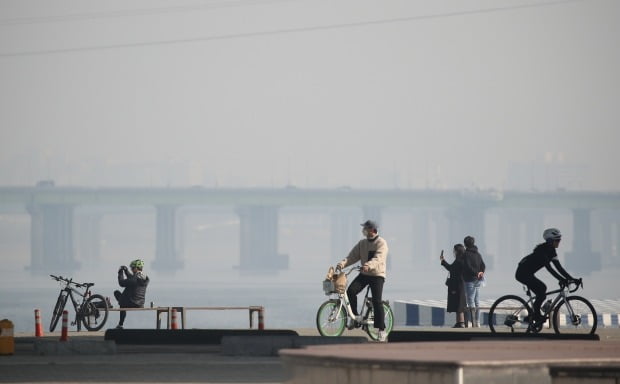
[544,254]
[135,283]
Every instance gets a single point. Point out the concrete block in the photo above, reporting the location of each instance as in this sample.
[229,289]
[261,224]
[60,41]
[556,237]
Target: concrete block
[255,345]
[74,347]
[304,341]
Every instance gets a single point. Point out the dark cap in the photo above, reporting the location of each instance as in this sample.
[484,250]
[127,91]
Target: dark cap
[369,224]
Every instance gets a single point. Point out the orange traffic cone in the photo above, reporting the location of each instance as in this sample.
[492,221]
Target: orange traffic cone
[173,321]
[38,328]
[64,336]
[261,318]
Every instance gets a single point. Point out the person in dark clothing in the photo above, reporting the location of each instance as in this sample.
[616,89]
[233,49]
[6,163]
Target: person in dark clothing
[456,288]
[134,294]
[473,273]
[544,254]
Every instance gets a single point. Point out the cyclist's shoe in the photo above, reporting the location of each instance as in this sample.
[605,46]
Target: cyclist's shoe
[119,327]
[382,336]
[459,324]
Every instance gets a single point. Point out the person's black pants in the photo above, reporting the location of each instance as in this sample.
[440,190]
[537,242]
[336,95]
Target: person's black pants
[535,285]
[376,289]
[123,302]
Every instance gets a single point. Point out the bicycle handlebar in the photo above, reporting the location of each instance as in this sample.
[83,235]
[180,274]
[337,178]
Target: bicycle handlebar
[70,281]
[566,284]
[347,273]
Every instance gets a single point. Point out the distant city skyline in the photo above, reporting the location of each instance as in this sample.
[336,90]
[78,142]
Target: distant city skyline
[551,174]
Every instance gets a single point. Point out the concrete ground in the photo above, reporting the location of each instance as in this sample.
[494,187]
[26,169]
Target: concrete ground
[205,363]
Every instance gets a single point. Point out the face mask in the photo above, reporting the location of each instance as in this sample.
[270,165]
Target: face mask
[365,232]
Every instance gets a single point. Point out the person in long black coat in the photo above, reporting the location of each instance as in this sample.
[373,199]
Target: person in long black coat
[456,288]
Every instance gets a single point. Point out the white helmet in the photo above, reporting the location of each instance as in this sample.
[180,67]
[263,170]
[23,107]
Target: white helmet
[552,234]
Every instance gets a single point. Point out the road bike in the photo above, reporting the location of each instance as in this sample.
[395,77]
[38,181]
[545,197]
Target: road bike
[568,314]
[336,313]
[90,310]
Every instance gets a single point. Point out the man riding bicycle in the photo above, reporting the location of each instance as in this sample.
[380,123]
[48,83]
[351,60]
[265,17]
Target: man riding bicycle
[544,254]
[372,253]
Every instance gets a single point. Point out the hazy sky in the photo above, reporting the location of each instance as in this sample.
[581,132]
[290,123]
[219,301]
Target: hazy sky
[317,93]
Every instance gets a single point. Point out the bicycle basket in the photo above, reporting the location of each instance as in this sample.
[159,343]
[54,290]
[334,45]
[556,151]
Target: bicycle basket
[338,284]
[329,287]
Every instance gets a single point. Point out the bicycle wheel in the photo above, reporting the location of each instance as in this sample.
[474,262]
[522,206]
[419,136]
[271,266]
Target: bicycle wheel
[388,319]
[94,312]
[58,308]
[575,315]
[507,315]
[331,318]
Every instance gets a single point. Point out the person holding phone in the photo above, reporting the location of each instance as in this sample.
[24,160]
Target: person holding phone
[134,282]
[456,287]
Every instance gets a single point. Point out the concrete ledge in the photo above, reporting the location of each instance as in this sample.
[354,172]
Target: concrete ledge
[517,362]
[185,336]
[74,347]
[588,373]
[271,345]
[423,336]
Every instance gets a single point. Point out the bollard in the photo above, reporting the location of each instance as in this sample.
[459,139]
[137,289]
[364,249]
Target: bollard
[261,318]
[173,321]
[38,328]
[7,339]
[64,334]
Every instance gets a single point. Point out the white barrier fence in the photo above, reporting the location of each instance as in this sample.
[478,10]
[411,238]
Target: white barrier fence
[429,313]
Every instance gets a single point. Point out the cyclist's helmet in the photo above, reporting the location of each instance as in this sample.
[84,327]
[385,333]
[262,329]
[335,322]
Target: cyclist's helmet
[139,264]
[552,234]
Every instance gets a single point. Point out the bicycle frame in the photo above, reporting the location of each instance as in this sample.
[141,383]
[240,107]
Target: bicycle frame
[562,295]
[77,306]
[344,302]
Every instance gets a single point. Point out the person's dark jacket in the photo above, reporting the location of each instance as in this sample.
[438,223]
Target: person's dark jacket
[456,290]
[543,256]
[135,286]
[473,264]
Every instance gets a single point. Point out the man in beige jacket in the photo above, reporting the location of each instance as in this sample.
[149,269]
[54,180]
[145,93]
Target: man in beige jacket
[372,253]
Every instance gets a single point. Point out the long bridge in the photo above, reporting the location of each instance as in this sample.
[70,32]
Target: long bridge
[53,217]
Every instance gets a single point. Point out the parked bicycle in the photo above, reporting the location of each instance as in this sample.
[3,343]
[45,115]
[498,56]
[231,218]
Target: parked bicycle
[336,314]
[90,310]
[568,314]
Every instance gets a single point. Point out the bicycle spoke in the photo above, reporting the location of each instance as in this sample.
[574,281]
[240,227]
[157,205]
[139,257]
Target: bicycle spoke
[331,318]
[509,314]
[575,315]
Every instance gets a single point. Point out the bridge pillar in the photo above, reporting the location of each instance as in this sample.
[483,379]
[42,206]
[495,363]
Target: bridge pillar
[167,257]
[89,237]
[345,232]
[422,239]
[372,213]
[51,239]
[607,231]
[582,259]
[259,239]
[469,221]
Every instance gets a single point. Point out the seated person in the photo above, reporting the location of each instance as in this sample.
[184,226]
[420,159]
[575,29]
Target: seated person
[135,283]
